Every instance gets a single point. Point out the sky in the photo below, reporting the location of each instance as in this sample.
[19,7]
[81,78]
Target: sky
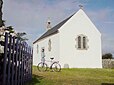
[30,16]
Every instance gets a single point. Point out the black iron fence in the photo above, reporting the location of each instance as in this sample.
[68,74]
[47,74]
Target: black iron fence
[15,61]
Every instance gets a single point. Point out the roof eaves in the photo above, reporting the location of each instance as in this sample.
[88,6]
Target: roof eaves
[45,37]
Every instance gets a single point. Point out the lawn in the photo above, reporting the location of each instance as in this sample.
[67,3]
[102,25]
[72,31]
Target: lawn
[75,76]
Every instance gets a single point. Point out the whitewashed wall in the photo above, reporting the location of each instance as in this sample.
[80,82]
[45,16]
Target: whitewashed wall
[91,58]
[44,43]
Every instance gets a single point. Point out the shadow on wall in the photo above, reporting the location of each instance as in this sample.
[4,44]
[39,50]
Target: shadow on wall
[35,80]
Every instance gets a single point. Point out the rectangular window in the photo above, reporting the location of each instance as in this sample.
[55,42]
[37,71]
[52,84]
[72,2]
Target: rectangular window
[82,42]
[79,42]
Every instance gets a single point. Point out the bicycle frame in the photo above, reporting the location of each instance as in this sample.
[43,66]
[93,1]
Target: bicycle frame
[52,62]
[54,65]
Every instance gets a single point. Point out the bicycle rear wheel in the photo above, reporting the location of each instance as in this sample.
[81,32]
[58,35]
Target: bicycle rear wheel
[56,67]
[42,67]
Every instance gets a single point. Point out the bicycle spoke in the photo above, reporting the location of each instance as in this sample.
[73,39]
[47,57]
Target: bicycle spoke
[56,67]
[42,67]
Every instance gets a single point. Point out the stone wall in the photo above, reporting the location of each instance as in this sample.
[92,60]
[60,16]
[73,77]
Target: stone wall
[108,63]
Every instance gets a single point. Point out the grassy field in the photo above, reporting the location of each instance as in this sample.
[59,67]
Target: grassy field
[74,76]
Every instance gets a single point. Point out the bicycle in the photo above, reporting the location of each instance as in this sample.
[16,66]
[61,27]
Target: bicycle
[55,66]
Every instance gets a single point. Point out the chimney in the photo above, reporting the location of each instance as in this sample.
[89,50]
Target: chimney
[48,24]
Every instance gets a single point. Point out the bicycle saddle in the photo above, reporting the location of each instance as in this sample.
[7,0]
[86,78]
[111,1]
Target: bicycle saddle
[51,58]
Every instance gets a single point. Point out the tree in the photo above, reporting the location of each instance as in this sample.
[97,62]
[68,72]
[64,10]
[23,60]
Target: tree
[10,29]
[21,37]
[1,4]
[107,56]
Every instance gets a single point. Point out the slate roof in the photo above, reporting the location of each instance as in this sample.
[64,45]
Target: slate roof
[53,30]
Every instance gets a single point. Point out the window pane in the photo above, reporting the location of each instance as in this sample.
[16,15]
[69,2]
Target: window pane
[49,45]
[79,42]
[84,42]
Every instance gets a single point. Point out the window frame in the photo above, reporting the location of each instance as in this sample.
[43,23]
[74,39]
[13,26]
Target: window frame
[83,43]
[37,48]
[49,45]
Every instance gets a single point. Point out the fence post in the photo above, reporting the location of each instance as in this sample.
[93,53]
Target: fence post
[25,62]
[16,57]
[19,60]
[31,61]
[22,64]
[5,59]
[9,59]
[13,55]
[30,64]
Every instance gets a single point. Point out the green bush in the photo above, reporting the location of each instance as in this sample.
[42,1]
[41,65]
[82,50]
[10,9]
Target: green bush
[107,56]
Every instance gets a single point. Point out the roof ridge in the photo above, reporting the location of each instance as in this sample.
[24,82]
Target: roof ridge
[54,29]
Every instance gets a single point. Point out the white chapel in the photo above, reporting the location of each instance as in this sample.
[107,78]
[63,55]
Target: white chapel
[75,43]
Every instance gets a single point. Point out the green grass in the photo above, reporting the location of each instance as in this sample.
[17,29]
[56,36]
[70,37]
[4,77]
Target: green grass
[75,76]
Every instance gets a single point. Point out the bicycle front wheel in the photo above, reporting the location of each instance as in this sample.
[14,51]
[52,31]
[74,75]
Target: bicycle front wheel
[56,67]
[42,67]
